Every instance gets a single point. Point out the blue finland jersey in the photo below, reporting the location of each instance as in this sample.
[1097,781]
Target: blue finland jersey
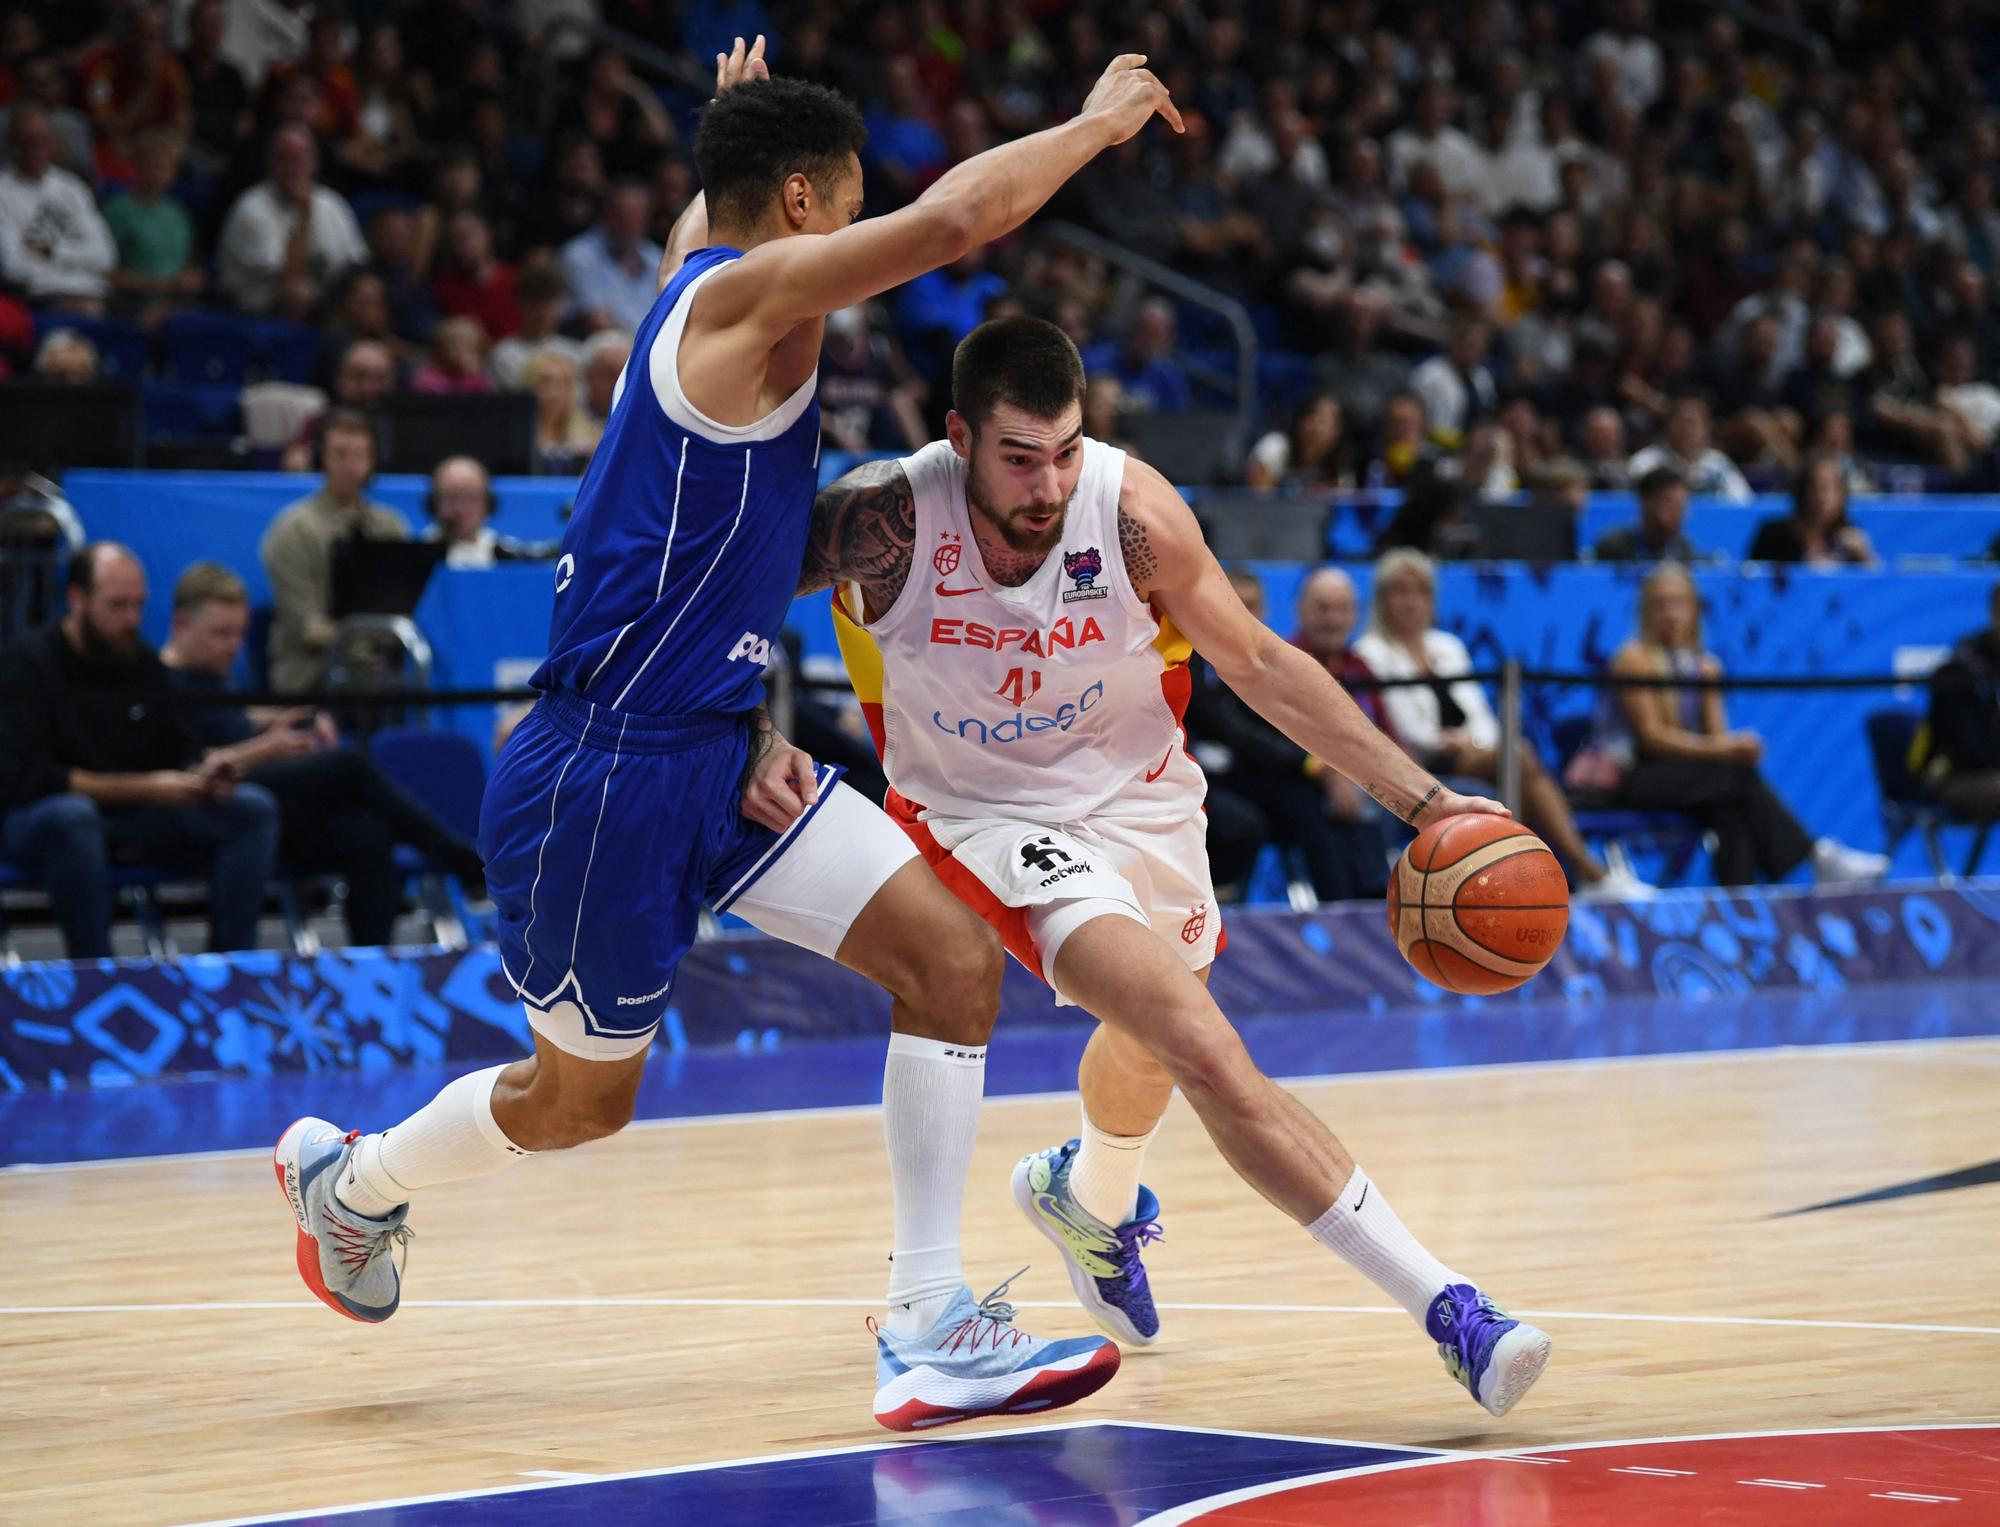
[680,559]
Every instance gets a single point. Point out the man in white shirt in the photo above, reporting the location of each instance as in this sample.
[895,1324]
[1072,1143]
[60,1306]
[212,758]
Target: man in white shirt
[1457,387]
[1431,139]
[288,237]
[1640,71]
[1686,449]
[54,244]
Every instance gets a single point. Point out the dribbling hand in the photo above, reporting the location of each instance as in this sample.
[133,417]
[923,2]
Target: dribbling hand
[1449,803]
[1127,95]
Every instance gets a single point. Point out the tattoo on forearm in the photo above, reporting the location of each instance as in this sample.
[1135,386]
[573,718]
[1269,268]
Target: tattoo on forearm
[1394,804]
[763,738]
[1141,562]
[864,528]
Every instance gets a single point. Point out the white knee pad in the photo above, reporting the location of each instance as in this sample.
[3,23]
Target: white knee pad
[1050,924]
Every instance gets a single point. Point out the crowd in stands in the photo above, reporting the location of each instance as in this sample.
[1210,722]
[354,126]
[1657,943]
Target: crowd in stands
[1498,240]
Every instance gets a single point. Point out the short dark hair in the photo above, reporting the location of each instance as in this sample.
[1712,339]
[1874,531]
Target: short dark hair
[755,135]
[1027,362]
[1657,479]
[81,573]
[347,421]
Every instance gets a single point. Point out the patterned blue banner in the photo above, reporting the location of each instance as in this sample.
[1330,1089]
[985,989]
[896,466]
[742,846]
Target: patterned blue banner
[112,1023]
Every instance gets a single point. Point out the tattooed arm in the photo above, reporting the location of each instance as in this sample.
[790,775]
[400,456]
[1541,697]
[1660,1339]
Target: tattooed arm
[1171,566]
[864,529]
[778,780]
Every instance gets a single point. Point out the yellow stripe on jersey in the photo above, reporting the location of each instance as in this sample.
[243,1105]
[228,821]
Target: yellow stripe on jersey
[1174,648]
[857,648]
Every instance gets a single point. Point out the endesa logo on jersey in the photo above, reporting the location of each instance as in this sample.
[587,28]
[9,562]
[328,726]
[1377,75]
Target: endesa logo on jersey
[1013,728]
[1065,633]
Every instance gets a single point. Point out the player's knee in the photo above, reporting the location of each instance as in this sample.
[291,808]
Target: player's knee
[956,984]
[560,1111]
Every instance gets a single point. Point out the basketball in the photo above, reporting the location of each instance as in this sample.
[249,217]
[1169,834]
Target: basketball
[1478,904]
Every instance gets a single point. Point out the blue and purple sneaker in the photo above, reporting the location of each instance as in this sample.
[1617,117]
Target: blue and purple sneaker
[1103,1260]
[1496,1357]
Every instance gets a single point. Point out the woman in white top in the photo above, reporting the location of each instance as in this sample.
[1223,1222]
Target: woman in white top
[1448,724]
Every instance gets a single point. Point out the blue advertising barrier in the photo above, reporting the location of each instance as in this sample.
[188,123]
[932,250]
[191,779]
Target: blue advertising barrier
[113,1023]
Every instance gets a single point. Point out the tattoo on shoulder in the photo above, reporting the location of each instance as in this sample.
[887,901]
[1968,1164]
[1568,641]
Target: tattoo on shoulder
[864,528]
[1141,562]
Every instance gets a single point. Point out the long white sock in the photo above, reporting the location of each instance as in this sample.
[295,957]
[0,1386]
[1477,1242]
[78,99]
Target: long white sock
[1104,1178]
[452,1136]
[1365,1231]
[931,1091]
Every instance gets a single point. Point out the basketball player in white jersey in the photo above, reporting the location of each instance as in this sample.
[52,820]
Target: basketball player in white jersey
[1017,604]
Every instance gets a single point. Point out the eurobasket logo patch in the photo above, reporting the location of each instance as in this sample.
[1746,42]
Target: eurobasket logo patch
[1084,568]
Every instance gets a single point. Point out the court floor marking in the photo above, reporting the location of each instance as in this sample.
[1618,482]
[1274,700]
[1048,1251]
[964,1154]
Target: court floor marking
[647,1301]
[1922,1048]
[1177,1515]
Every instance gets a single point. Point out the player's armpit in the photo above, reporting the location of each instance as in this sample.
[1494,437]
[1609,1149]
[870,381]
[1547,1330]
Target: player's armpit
[864,530]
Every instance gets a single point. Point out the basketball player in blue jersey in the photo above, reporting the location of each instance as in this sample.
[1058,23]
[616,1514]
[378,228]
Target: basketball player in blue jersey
[647,779]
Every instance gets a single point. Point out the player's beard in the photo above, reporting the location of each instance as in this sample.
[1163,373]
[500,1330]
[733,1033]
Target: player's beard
[1010,526]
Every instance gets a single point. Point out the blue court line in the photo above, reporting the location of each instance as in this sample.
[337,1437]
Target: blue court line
[1097,1474]
[218,1113]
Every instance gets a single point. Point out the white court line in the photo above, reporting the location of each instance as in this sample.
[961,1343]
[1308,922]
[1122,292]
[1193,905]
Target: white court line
[1196,1509]
[682,1468]
[1842,1050]
[649,1301]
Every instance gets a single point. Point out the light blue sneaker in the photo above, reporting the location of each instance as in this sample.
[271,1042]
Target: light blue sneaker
[1496,1357]
[974,1363]
[345,1258]
[1103,1260]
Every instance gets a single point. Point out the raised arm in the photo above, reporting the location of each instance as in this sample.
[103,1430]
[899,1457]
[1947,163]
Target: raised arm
[1171,565]
[864,530]
[690,230]
[786,282]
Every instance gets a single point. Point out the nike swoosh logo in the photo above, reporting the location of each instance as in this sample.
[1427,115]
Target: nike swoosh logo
[1162,768]
[955,593]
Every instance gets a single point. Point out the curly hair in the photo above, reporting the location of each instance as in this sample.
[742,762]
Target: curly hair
[1025,361]
[754,136]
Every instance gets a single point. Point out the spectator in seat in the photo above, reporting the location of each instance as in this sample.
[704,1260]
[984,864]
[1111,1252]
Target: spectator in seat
[1447,724]
[1657,537]
[458,360]
[868,395]
[1601,448]
[1968,397]
[1686,448]
[41,82]
[565,436]
[539,297]
[157,259]
[99,766]
[1403,452]
[1143,361]
[1313,453]
[461,506]
[364,378]
[1673,750]
[1817,531]
[1298,801]
[54,245]
[604,357]
[612,271]
[1457,387]
[297,550]
[133,85]
[65,356]
[221,99]
[1962,752]
[472,281]
[288,237]
[337,812]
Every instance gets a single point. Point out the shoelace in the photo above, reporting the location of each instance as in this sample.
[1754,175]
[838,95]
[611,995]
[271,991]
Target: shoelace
[1132,1240]
[993,1322]
[358,1247]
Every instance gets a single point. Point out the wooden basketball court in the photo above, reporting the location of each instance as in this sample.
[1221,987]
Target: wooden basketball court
[695,1291]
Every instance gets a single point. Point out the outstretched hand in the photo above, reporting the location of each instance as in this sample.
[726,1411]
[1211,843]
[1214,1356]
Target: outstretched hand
[740,64]
[1127,95]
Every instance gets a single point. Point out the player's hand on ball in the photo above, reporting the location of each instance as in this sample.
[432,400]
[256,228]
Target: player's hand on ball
[1449,803]
[781,786]
[739,64]
[1126,96]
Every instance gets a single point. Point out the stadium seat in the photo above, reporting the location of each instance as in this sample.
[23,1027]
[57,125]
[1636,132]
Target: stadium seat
[1193,447]
[1264,527]
[213,348]
[284,352]
[1906,806]
[190,408]
[1675,834]
[123,347]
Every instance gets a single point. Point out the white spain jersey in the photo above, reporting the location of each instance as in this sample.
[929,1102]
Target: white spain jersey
[1051,702]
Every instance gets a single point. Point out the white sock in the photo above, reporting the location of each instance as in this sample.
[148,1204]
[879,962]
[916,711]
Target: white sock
[452,1136]
[1104,1178]
[1366,1233]
[931,1091]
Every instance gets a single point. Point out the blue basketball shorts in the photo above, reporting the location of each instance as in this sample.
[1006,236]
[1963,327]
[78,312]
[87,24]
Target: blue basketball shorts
[605,832]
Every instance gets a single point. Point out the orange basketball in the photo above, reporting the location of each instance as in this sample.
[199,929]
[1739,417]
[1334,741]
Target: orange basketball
[1478,904]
